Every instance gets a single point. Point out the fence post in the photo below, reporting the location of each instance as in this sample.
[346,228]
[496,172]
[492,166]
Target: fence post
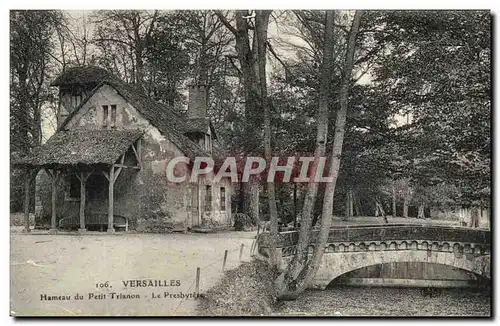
[241,250]
[197,289]
[224,262]
[252,247]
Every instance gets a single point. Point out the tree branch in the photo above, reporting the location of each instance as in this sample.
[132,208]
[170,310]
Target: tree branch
[226,23]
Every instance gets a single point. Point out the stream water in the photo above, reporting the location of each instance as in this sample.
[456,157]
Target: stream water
[384,301]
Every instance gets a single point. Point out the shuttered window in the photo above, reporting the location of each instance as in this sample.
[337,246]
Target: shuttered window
[208,198]
[222,198]
[105,115]
[113,115]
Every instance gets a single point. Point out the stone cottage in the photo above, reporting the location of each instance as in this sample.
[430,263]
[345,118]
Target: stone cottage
[107,160]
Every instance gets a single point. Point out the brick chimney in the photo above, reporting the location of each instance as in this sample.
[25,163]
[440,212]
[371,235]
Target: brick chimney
[197,103]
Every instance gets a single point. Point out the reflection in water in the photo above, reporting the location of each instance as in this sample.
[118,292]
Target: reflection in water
[380,301]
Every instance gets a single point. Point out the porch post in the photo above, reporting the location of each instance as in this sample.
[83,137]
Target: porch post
[83,180]
[53,223]
[110,199]
[27,201]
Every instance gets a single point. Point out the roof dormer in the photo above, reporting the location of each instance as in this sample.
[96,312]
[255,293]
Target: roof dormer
[75,84]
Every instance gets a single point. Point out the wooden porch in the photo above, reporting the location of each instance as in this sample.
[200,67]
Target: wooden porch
[83,167]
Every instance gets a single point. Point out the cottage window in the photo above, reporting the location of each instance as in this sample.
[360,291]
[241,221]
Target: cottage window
[104,115]
[222,198]
[113,115]
[208,198]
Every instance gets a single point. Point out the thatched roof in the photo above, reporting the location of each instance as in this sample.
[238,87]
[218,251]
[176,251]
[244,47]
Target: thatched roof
[82,75]
[171,124]
[82,146]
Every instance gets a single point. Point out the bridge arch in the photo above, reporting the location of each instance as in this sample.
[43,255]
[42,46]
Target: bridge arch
[334,265]
[353,247]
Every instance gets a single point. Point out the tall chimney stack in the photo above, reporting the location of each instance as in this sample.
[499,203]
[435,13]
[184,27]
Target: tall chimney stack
[197,102]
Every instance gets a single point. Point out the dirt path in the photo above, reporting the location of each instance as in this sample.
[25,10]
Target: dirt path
[43,266]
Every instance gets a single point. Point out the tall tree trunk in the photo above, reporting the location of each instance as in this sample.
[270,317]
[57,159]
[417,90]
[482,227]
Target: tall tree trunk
[421,209]
[261,24]
[338,141]
[250,200]
[351,204]
[406,202]
[394,203]
[295,204]
[346,208]
[286,282]
[250,81]
[348,204]
[357,204]
[309,271]
[474,218]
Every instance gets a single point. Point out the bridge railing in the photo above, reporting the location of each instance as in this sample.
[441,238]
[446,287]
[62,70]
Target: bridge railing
[387,232]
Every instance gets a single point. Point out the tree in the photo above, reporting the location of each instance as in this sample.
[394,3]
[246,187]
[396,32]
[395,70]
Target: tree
[129,31]
[246,54]
[31,54]
[301,271]
[438,71]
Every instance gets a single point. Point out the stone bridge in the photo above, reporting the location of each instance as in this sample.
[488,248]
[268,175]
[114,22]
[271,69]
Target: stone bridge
[353,247]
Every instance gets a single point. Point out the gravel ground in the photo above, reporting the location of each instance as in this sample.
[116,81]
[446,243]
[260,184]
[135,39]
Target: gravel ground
[61,265]
[378,301]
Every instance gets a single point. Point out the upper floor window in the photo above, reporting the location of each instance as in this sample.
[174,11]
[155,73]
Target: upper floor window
[113,115]
[105,115]
[76,100]
[109,116]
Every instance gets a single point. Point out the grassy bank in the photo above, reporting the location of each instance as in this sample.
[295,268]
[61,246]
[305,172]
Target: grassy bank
[245,291]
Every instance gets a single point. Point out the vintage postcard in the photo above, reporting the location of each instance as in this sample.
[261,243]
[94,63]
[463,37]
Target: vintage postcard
[250,163]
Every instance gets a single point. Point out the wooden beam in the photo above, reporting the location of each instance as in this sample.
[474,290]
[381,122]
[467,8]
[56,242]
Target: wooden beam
[27,201]
[106,175]
[83,176]
[139,151]
[55,179]
[127,166]
[83,179]
[110,199]
[135,152]
[118,171]
[137,156]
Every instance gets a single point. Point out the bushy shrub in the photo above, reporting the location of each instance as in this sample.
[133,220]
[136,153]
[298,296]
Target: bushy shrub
[245,291]
[208,223]
[155,226]
[241,221]
[158,222]
[17,219]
